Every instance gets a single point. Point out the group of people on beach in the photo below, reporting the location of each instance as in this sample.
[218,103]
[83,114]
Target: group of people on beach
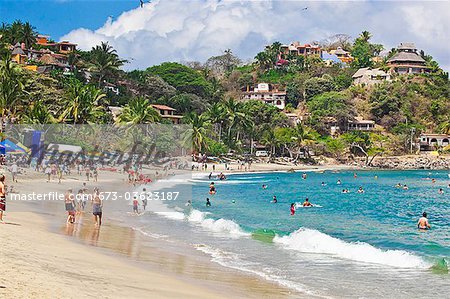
[76,204]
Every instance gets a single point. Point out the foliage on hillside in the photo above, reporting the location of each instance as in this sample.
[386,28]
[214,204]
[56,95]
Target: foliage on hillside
[208,96]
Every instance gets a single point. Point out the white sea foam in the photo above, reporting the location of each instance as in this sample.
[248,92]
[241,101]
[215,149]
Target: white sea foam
[313,241]
[233,260]
[222,226]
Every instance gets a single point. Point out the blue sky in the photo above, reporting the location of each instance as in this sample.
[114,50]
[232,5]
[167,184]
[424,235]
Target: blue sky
[58,17]
[183,30]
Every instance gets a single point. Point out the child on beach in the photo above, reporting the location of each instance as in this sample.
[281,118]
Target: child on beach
[135,205]
[70,206]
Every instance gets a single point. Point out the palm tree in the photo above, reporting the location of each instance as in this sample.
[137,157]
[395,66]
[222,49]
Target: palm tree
[38,113]
[27,35]
[11,87]
[138,111]
[215,115]
[196,136]
[269,139]
[105,62]
[445,126]
[305,137]
[14,32]
[365,36]
[83,103]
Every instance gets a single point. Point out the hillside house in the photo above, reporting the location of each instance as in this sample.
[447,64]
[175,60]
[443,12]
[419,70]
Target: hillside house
[342,55]
[407,61]
[295,48]
[430,142]
[167,112]
[266,93]
[370,76]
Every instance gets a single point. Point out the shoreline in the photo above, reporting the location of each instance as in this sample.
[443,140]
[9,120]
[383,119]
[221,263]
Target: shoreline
[135,254]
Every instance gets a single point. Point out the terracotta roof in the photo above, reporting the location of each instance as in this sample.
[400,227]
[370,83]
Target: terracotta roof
[162,107]
[66,43]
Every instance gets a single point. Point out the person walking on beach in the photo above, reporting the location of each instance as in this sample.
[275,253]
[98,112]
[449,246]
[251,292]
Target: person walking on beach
[423,222]
[14,170]
[97,206]
[144,200]
[135,205]
[88,172]
[48,172]
[70,206]
[2,197]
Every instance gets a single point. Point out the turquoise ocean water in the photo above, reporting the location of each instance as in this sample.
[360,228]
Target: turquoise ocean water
[349,245]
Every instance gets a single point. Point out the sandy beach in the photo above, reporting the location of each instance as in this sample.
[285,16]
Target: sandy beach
[43,257]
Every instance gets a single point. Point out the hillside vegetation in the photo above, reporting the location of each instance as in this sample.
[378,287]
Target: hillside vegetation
[208,96]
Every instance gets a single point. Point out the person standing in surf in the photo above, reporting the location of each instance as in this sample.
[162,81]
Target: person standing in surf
[97,207]
[423,222]
[292,209]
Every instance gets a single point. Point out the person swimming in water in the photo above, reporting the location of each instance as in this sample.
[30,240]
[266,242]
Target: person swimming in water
[423,222]
[292,209]
[274,200]
[398,185]
[323,184]
[360,190]
[304,176]
[338,182]
[208,203]
[212,188]
[441,191]
[344,191]
[264,186]
[307,203]
[405,187]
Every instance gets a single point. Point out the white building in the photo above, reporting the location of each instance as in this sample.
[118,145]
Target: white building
[266,93]
[360,124]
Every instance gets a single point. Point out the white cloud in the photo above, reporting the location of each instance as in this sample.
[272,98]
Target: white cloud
[177,30]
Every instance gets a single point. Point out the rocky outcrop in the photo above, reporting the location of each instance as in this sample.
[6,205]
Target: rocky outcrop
[420,162]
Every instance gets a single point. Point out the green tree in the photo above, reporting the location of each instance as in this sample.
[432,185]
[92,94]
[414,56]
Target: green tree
[37,113]
[183,78]
[363,51]
[197,134]
[83,103]
[316,86]
[11,86]
[138,111]
[105,63]
[27,35]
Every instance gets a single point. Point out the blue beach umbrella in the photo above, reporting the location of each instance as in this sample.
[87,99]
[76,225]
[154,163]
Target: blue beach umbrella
[12,148]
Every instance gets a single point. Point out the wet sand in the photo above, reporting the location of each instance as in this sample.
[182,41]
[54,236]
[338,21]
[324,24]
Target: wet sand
[41,260]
